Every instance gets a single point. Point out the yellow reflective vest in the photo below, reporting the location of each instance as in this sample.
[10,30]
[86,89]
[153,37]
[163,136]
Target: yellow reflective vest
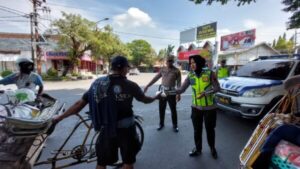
[199,85]
[223,72]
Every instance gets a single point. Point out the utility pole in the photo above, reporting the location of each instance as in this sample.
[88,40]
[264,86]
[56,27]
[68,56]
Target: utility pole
[36,56]
[31,37]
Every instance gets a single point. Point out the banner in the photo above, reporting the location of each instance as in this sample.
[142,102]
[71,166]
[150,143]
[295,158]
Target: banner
[207,31]
[238,40]
[188,36]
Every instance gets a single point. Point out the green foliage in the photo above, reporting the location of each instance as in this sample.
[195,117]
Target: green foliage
[77,35]
[292,6]
[6,73]
[52,72]
[75,74]
[283,45]
[223,2]
[141,52]
[108,45]
[170,49]
[162,54]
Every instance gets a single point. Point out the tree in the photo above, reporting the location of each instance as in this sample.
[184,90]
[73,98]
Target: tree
[284,46]
[162,54]
[292,6]
[77,36]
[108,45]
[274,43]
[140,50]
[170,49]
[223,2]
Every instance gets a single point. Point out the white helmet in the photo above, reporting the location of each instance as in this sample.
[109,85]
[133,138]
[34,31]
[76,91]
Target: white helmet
[25,65]
[23,59]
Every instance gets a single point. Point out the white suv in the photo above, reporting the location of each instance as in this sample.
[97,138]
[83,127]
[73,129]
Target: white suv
[257,86]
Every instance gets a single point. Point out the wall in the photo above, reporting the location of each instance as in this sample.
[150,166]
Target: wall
[244,57]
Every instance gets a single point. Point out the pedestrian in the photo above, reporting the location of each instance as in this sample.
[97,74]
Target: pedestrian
[204,84]
[110,103]
[25,78]
[223,70]
[170,80]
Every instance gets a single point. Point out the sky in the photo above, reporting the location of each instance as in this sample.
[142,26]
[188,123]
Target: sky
[157,21]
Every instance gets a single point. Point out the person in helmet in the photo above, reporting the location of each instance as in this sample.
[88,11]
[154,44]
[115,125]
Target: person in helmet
[25,78]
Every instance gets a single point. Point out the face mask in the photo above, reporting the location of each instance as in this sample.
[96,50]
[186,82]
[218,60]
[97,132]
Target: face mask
[26,68]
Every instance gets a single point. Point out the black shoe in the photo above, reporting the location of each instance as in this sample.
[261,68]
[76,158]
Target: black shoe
[214,153]
[175,129]
[194,153]
[160,127]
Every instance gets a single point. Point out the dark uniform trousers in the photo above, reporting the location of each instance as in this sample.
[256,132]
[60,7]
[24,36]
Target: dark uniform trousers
[210,118]
[171,99]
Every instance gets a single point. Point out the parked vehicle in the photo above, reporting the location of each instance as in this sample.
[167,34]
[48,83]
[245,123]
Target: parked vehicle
[257,86]
[134,71]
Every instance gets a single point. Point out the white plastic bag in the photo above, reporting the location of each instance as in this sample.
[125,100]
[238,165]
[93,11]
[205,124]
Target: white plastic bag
[22,112]
[25,95]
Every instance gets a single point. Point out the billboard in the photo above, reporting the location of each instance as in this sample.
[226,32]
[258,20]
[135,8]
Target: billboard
[188,36]
[207,31]
[238,40]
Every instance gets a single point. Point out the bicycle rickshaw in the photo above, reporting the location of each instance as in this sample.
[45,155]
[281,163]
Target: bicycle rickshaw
[22,138]
[85,151]
[285,154]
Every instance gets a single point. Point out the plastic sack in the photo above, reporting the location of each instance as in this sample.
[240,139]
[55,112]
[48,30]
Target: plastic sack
[25,95]
[286,156]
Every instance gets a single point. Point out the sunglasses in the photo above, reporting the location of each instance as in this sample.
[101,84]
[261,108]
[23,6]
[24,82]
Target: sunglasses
[169,60]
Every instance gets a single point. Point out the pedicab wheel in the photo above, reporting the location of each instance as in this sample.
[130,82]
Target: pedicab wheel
[78,152]
[140,133]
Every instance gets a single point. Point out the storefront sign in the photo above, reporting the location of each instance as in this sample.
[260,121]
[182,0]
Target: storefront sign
[238,40]
[184,56]
[53,55]
[207,31]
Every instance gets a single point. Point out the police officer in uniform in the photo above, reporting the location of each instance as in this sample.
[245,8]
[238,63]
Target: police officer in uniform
[171,79]
[223,70]
[204,84]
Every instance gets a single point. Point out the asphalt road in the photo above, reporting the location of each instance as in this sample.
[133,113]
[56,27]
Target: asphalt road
[162,149]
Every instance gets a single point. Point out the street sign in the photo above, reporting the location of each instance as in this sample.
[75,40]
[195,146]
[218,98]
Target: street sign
[207,31]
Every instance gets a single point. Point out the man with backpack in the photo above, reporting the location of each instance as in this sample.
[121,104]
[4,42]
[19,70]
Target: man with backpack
[110,102]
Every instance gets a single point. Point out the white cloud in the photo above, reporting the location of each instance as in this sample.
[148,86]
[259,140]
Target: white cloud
[250,24]
[133,17]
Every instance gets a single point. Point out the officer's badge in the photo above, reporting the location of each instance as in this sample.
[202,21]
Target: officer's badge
[205,78]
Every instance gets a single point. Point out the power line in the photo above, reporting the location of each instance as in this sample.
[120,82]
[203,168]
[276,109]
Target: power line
[14,21]
[155,37]
[13,10]
[11,16]
[3,9]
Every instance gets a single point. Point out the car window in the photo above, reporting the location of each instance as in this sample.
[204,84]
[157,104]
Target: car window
[276,70]
[297,70]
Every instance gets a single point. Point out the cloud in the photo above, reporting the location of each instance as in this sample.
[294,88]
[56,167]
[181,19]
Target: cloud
[250,24]
[134,17]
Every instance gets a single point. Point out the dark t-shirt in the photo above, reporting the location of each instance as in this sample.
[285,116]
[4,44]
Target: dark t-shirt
[123,91]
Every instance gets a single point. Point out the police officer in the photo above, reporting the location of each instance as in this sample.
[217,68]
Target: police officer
[171,79]
[223,70]
[204,84]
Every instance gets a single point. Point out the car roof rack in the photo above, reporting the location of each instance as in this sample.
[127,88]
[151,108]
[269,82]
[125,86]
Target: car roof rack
[286,56]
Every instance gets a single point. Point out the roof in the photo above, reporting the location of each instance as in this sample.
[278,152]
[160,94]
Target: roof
[11,42]
[15,44]
[248,49]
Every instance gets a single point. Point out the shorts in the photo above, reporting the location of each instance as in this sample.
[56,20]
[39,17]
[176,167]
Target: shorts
[107,148]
